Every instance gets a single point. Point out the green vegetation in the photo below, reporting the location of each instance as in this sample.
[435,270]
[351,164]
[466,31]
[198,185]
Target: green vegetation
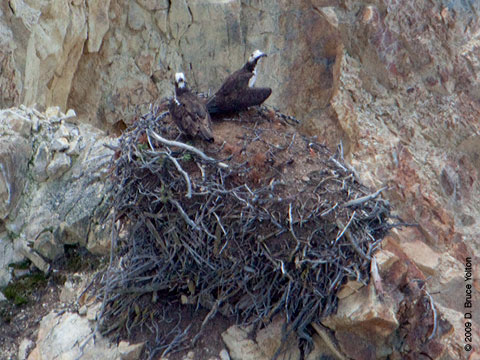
[19,291]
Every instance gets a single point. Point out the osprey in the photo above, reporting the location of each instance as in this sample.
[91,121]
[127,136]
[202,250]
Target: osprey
[189,111]
[237,92]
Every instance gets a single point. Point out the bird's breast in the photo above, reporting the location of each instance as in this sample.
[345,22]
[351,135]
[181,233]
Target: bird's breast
[252,80]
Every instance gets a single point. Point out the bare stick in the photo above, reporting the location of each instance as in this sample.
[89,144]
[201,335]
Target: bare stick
[434,330]
[187,147]
[184,214]
[377,280]
[185,175]
[346,227]
[364,199]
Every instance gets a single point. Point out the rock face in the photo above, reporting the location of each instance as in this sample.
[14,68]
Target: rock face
[49,193]
[396,81]
[133,49]
[68,336]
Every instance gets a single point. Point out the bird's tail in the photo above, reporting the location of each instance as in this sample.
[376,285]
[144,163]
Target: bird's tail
[212,107]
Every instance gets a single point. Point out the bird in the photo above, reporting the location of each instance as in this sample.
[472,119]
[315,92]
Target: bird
[237,92]
[189,112]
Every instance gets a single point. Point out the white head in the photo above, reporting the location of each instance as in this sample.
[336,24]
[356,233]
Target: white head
[180,80]
[255,56]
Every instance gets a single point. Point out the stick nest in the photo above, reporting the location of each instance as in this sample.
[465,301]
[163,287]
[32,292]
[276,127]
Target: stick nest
[267,222]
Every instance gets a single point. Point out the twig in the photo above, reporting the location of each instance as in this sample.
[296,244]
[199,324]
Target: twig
[184,174]
[345,228]
[187,147]
[184,214]
[434,311]
[364,199]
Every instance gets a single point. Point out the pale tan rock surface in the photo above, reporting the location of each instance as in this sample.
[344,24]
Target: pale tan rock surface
[68,336]
[268,340]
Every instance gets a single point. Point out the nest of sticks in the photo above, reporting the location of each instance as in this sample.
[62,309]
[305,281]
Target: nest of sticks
[264,221]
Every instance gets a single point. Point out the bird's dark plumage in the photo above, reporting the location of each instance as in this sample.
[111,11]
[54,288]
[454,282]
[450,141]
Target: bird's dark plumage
[237,92]
[189,111]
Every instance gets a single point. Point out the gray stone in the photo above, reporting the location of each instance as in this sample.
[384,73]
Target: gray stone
[130,351]
[152,5]
[136,16]
[8,255]
[13,121]
[75,146]
[60,144]
[40,162]
[83,310]
[224,355]
[14,155]
[93,311]
[62,132]
[60,163]
[24,349]
[46,245]
[98,23]
[67,295]
[19,273]
[36,259]
[65,337]
[268,340]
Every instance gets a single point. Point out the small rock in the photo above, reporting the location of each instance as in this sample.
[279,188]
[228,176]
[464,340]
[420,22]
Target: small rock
[62,132]
[130,352]
[136,19]
[35,124]
[67,295]
[190,356]
[60,144]
[36,259]
[224,355]
[75,146]
[268,340]
[61,336]
[385,260]
[349,288]
[40,162]
[18,273]
[46,245]
[70,114]
[59,165]
[330,15]
[52,112]
[93,311]
[18,122]
[25,348]
[2,297]
[422,255]
[83,310]
[364,318]
[152,5]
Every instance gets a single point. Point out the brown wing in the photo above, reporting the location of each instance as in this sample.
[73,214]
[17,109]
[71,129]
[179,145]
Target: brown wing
[239,101]
[191,116]
[235,83]
[251,97]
